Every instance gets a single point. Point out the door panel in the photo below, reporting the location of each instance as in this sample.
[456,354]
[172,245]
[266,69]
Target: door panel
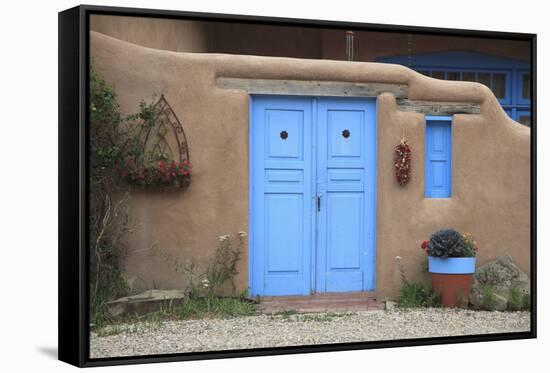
[344,219]
[281,195]
[284,217]
[344,144]
[285,129]
[346,168]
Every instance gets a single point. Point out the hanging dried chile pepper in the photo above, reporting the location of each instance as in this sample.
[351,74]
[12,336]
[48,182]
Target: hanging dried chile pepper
[403,162]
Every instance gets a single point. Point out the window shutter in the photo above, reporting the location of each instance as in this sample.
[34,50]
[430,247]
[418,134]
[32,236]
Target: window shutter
[438,157]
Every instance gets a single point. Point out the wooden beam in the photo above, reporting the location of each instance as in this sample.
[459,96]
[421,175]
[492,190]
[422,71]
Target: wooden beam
[350,89]
[438,108]
[312,88]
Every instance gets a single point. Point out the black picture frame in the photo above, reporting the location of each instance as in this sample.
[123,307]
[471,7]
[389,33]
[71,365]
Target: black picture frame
[73,185]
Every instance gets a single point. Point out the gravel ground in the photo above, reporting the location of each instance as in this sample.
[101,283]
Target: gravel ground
[301,329]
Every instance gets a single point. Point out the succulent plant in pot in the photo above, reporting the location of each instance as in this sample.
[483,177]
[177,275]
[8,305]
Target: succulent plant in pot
[452,262]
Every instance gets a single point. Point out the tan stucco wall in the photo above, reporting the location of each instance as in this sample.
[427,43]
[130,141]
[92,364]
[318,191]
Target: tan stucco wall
[491,162]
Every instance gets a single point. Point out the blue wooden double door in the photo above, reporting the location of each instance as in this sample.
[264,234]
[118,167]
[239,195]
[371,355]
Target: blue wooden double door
[313,195]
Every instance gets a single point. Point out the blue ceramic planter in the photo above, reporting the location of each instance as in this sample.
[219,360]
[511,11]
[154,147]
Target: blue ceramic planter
[451,265]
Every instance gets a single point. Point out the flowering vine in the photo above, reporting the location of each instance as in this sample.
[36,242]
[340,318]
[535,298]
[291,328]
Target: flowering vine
[157,174]
[148,159]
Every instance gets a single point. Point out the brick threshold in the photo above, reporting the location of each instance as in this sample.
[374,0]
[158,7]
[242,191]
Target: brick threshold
[322,302]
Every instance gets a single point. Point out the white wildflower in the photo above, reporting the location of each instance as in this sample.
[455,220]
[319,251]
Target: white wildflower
[242,234]
[398,257]
[205,283]
[224,237]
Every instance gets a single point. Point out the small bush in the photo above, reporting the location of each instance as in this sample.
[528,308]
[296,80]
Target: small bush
[109,223]
[447,243]
[489,299]
[223,266]
[517,300]
[415,294]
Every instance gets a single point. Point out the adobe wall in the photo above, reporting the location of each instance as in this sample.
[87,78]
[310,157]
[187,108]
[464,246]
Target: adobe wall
[491,161]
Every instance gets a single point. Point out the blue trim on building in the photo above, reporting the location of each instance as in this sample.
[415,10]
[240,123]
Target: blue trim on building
[452,266]
[458,59]
[438,161]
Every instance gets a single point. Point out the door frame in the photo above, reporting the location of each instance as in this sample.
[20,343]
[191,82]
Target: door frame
[313,165]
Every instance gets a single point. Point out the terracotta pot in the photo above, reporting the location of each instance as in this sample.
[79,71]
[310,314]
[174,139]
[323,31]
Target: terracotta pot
[452,279]
[454,289]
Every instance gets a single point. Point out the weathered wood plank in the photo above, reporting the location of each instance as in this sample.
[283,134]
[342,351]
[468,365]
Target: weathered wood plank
[438,108]
[343,89]
[313,88]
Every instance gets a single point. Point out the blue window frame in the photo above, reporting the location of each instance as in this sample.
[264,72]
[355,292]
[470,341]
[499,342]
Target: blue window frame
[524,87]
[438,166]
[509,79]
[499,81]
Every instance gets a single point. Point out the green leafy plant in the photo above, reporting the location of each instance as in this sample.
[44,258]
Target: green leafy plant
[209,287]
[126,146]
[449,243]
[212,291]
[414,294]
[218,307]
[489,301]
[517,300]
[192,308]
[219,272]
[108,207]
[117,153]
[148,159]
[223,267]
[446,243]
